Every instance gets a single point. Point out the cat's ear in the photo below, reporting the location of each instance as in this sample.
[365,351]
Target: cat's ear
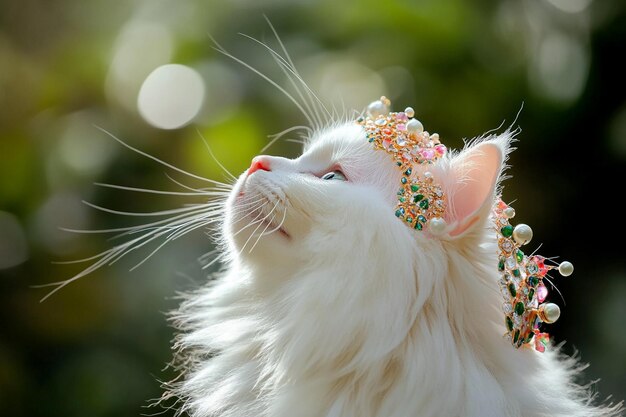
[471,180]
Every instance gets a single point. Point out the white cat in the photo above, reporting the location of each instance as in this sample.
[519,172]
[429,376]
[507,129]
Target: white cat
[329,306]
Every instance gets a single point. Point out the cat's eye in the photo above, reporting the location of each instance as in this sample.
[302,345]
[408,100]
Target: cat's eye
[334,175]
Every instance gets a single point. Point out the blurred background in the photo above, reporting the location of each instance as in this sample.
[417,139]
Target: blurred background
[98,347]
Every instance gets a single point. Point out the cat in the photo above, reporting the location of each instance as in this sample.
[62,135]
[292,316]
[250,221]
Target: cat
[330,306]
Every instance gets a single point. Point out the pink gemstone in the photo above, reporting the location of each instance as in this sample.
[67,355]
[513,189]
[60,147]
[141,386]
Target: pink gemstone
[440,149]
[541,341]
[401,127]
[539,260]
[502,205]
[402,116]
[427,154]
[387,132]
[386,144]
[542,292]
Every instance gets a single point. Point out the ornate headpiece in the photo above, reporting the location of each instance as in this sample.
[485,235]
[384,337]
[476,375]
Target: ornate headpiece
[422,202]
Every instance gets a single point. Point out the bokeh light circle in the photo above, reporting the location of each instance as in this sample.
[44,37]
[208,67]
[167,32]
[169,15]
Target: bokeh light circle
[171,96]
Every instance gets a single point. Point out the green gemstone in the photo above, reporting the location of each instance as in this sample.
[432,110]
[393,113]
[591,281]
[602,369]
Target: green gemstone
[424,204]
[360,119]
[507,231]
[516,336]
[529,337]
[519,308]
[533,281]
[501,264]
[399,163]
[409,219]
[516,272]
[421,218]
[414,187]
[400,191]
[512,290]
[371,139]
[531,293]
[408,172]
[509,323]
[417,198]
[400,212]
[419,226]
[520,256]
[402,199]
[403,180]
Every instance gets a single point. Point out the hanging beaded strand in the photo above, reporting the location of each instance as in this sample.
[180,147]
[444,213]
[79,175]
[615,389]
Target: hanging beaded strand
[521,282]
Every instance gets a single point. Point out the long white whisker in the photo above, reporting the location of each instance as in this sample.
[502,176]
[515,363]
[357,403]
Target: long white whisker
[221,187]
[255,220]
[137,214]
[147,190]
[213,156]
[280,135]
[271,231]
[288,68]
[284,66]
[262,233]
[223,51]
[154,158]
[293,67]
[259,223]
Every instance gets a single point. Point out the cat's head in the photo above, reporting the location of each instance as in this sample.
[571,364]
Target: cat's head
[321,233]
[336,202]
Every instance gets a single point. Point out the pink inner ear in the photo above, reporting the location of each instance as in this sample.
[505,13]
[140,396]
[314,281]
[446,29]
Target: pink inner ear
[476,173]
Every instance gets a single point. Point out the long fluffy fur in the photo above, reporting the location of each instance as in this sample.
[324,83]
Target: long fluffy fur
[356,315]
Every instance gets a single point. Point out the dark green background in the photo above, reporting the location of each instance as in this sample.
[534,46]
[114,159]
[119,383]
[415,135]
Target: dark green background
[98,347]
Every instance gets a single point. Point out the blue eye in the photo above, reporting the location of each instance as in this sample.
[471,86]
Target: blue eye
[335,175]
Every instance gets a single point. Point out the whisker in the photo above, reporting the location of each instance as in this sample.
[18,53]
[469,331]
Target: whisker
[154,158]
[262,234]
[213,156]
[279,135]
[260,223]
[284,66]
[147,190]
[293,67]
[136,214]
[223,51]
[254,220]
[221,187]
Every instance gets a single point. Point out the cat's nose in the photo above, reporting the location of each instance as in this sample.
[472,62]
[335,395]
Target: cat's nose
[259,162]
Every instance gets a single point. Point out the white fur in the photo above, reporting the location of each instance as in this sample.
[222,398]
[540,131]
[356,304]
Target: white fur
[356,314]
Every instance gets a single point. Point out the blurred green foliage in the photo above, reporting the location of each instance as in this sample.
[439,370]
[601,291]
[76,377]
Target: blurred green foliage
[98,346]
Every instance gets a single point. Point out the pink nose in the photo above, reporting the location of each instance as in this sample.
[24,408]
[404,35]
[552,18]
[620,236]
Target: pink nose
[259,162]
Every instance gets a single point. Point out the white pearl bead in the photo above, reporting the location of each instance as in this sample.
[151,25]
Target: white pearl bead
[415,126]
[522,234]
[566,269]
[377,108]
[437,225]
[550,312]
[509,212]
[409,112]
